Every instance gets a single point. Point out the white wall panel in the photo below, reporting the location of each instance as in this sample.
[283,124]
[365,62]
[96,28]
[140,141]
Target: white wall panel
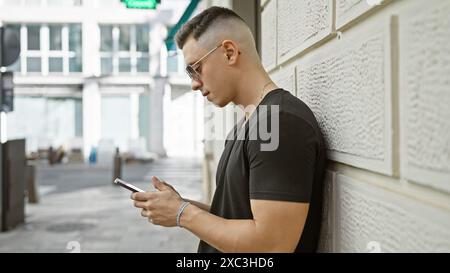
[302,23]
[347,84]
[425,93]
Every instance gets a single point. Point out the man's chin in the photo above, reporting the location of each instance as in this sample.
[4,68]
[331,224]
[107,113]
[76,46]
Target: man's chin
[220,103]
[217,101]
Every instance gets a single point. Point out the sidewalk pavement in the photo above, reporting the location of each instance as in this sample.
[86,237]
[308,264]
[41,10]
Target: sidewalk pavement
[81,210]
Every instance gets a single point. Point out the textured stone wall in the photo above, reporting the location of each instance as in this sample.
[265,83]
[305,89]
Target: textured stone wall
[344,83]
[349,10]
[377,77]
[364,215]
[269,35]
[300,24]
[425,93]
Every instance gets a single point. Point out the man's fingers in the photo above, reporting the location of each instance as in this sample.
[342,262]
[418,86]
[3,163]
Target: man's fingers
[168,185]
[145,213]
[139,204]
[148,205]
[143,196]
[158,184]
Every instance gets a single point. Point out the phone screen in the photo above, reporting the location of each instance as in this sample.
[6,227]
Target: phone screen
[127,185]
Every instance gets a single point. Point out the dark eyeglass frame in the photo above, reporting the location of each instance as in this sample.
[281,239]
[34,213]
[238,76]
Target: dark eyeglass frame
[190,69]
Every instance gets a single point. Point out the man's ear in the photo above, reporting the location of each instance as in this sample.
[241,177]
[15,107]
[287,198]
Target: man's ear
[231,51]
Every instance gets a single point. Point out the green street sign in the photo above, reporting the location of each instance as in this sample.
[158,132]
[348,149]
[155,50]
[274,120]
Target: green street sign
[141,4]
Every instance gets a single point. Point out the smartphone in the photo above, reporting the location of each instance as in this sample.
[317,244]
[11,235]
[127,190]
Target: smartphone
[127,185]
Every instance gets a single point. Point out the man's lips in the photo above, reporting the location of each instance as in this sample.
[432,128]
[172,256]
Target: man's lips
[205,93]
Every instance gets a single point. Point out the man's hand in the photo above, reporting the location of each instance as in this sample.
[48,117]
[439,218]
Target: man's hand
[161,206]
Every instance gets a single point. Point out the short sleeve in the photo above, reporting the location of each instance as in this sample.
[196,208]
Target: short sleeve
[287,172]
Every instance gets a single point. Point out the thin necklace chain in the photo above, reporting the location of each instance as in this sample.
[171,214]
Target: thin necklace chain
[264,87]
[261,97]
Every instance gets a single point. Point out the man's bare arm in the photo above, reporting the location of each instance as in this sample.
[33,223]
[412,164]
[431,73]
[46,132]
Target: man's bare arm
[276,227]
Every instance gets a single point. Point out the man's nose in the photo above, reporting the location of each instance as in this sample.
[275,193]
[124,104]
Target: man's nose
[195,84]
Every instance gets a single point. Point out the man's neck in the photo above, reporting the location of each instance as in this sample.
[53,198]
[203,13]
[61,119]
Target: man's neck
[252,90]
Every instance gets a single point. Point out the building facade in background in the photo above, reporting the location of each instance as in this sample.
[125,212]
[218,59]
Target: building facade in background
[95,74]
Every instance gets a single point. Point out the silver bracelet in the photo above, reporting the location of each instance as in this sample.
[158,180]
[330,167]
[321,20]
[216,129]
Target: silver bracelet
[180,211]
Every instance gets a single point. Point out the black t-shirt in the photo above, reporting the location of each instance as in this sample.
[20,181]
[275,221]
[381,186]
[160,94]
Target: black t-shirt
[292,172]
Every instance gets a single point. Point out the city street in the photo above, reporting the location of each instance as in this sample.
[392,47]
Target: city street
[81,210]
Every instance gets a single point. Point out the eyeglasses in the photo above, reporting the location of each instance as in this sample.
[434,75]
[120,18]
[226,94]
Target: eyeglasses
[192,72]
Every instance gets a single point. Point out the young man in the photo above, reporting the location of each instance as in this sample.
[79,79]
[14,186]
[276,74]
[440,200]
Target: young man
[266,200]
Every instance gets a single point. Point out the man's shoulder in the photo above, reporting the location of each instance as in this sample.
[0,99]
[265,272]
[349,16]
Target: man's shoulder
[291,108]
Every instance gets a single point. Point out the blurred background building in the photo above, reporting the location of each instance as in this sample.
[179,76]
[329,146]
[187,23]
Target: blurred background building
[94,74]
[94,77]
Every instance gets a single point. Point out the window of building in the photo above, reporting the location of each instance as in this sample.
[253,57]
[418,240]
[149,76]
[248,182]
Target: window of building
[75,42]
[175,62]
[45,121]
[124,49]
[49,48]
[15,66]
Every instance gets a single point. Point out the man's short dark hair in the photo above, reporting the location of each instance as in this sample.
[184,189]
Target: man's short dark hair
[198,25]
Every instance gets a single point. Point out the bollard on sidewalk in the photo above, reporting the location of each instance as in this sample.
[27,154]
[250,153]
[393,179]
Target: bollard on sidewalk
[117,168]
